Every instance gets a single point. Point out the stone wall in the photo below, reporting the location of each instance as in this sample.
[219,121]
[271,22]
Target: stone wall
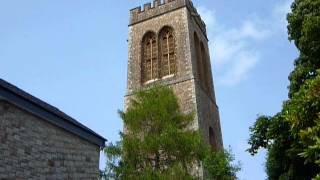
[176,20]
[31,148]
[207,108]
[208,116]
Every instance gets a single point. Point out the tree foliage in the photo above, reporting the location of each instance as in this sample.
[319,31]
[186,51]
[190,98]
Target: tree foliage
[304,25]
[292,135]
[303,29]
[159,143]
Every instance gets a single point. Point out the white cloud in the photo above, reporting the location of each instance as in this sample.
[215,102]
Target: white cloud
[239,70]
[251,29]
[235,47]
[232,47]
[224,50]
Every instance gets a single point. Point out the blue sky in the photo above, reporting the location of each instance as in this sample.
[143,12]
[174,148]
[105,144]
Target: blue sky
[73,55]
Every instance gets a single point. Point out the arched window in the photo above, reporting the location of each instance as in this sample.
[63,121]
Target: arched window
[206,74]
[167,51]
[199,59]
[212,139]
[149,64]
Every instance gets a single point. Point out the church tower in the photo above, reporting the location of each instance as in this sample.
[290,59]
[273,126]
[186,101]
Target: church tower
[168,43]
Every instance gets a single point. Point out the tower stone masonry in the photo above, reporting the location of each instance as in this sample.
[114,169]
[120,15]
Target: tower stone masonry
[168,43]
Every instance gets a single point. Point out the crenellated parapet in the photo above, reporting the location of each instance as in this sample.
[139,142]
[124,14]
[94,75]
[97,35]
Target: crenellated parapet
[159,7]
[150,10]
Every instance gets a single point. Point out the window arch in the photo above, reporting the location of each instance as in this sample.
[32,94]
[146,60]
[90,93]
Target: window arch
[149,63]
[167,51]
[212,139]
[203,69]
[205,64]
[200,71]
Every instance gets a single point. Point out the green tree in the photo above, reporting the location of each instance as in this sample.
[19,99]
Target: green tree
[304,25]
[158,142]
[292,136]
[303,29]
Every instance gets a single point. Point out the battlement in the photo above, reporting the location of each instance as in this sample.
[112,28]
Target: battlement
[148,6]
[159,7]
[150,10]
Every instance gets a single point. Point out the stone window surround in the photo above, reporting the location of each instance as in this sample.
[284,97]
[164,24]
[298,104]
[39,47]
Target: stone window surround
[159,56]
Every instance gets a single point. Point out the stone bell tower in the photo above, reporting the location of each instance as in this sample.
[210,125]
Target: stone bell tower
[168,43]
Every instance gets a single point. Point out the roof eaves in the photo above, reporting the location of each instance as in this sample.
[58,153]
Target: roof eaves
[47,112]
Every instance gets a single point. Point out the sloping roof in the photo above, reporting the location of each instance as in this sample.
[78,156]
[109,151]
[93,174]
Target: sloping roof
[47,112]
